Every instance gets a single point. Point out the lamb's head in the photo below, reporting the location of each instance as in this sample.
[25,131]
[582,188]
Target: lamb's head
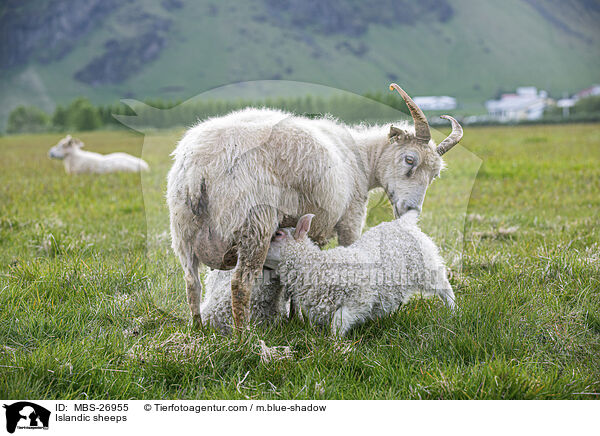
[64,147]
[412,160]
[283,237]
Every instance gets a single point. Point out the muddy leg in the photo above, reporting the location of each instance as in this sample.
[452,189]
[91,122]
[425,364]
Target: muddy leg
[252,250]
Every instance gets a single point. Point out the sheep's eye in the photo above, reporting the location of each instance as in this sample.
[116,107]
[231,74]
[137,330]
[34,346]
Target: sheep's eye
[279,234]
[409,160]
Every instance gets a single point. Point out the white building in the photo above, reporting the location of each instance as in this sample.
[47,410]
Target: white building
[526,104]
[566,104]
[435,103]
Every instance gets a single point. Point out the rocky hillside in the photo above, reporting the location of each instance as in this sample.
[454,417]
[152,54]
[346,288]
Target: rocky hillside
[106,49]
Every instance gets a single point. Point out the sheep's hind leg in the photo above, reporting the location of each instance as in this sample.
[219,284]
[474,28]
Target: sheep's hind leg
[253,245]
[193,286]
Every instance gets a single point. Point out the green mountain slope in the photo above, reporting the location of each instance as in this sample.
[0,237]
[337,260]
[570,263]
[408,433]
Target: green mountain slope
[175,49]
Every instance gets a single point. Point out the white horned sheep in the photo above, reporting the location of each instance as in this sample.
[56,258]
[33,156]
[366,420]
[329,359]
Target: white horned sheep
[236,178]
[267,302]
[78,161]
[346,286]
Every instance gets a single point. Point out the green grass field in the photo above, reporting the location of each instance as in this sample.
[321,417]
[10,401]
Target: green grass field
[92,301]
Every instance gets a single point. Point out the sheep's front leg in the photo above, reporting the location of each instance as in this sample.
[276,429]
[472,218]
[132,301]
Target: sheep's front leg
[349,228]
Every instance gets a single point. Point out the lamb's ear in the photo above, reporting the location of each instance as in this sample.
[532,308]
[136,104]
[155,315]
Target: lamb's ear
[395,133]
[76,143]
[303,226]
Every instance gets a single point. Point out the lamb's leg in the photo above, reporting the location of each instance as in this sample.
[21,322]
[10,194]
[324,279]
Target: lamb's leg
[339,323]
[349,228]
[342,322]
[252,247]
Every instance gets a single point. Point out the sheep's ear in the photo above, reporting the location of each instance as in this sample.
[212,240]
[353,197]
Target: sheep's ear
[303,226]
[76,143]
[395,134]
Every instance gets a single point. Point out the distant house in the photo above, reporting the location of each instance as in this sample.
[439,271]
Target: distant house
[588,92]
[436,103]
[526,104]
[567,103]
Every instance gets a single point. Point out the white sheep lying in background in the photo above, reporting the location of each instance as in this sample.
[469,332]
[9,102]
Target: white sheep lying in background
[346,286]
[78,161]
[266,303]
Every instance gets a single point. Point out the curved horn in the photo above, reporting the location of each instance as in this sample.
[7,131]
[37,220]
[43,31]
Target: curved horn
[453,138]
[421,125]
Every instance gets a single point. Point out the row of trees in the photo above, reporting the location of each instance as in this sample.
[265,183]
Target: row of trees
[82,115]
[79,115]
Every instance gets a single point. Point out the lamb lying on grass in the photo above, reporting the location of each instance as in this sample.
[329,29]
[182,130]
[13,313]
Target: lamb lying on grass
[266,302]
[78,161]
[346,286]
